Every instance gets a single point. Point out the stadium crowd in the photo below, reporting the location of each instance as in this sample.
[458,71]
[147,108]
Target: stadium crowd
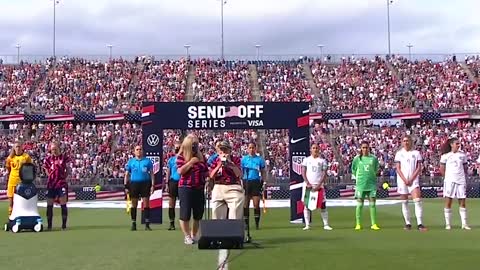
[101,149]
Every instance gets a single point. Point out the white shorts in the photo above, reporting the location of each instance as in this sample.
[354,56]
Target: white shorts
[403,189]
[454,190]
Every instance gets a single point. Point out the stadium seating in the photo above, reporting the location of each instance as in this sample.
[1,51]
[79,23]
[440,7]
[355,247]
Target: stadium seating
[101,149]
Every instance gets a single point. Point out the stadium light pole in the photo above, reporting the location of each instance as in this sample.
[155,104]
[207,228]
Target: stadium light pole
[258,46]
[222,4]
[55,2]
[18,52]
[410,52]
[320,46]
[110,46]
[388,25]
[187,46]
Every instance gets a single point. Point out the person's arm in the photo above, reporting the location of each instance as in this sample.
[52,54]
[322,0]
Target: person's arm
[443,161]
[126,179]
[234,165]
[167,174]
[152,174]
[214,167]
[47,166]
[184,167]
[418,169]
[398,167]
[304,172]
[354,166]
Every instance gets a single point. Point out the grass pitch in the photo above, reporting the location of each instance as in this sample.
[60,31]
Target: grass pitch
[100,239]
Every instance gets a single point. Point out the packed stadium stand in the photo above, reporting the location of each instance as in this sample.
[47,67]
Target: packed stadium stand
[100,149]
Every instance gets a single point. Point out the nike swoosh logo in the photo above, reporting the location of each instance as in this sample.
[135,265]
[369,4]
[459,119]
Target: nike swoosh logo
[297,140]
[306,111]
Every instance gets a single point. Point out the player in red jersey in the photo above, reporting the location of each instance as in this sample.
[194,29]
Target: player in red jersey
[57,167]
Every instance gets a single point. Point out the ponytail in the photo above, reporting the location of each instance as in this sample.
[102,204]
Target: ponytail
[447,147]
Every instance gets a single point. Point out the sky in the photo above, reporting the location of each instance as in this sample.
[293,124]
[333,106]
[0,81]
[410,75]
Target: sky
[281,27]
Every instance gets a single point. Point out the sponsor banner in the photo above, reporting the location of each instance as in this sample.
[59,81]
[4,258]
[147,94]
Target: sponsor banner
[294,116]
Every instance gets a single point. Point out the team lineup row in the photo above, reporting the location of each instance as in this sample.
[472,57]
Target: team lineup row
[231,171]
[408,162]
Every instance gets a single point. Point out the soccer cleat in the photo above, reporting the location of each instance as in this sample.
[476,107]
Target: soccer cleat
[147,227]
[257,226]
[407,227]
[327,228]
[134,226]
[306,228]
[466,227]
[375,227]
[188,240]
[358,227]
[448,227]
[422,228]
[172,227]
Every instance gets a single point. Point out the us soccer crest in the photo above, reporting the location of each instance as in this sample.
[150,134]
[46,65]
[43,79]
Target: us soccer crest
[297,164]
[156,163]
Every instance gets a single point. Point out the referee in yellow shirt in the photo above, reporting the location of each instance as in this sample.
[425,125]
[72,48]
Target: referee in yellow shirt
[14,162]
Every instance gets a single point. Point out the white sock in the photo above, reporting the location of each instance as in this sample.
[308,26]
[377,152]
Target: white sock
[306,215]
[406,212]
[418,210]
[324,214]
[448,216]
[463,215]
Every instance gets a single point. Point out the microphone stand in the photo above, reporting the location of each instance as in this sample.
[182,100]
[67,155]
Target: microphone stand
[249,239]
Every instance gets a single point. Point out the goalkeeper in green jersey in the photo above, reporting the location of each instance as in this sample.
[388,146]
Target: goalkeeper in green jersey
[365,168]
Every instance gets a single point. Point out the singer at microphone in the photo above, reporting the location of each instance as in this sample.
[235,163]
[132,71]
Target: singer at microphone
[253,166]
[227,193]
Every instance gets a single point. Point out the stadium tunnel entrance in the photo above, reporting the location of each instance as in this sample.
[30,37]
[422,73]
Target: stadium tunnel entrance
[160,116]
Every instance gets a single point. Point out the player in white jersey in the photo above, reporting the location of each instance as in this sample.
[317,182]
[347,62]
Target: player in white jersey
[453,166]
[409,166]
[314,175]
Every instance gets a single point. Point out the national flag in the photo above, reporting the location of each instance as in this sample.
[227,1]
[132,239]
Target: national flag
[312,199]
[316,116]
[59,117]
[356,116]
[431,115]
[110,117]
[12,117]
[455,115]
[332,116]
[233,112]
[402,116]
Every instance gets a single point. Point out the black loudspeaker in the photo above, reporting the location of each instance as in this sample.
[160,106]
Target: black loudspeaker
[221,234]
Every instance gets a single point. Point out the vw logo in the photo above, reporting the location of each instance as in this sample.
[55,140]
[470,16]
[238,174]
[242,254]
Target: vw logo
[28,192]
[153,140]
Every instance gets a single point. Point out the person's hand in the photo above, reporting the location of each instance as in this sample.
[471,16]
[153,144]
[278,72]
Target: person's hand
[194,160]
[309,185]
[152,189]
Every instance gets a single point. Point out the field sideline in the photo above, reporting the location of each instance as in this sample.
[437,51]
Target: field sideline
[100,239]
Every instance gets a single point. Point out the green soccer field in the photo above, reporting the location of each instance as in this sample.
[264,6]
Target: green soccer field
[100,239]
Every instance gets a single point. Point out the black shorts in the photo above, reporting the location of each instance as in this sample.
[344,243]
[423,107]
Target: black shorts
[140,189]
[173,189]
[191,201]
[253,187]
[54,193]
